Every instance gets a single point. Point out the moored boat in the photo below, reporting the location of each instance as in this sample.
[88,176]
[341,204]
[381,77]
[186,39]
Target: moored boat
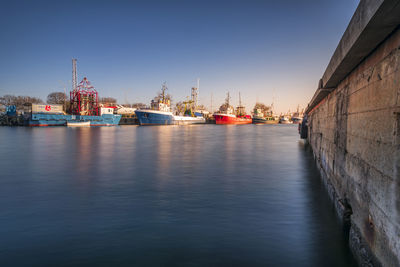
[284,120]
[189,114]
[271,120]
[297,117]
[226,114]
[221,118]
[185,120]
[259,120]
[159,112]
[265,120]
[263,114]
[296,120]
[84,107]
[78,123]
[154,117]
[49,119]
[258,115]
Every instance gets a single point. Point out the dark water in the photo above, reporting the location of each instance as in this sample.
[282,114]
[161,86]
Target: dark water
[164,196]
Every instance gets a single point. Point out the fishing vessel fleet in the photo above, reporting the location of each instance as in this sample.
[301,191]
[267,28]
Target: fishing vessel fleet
[84,110]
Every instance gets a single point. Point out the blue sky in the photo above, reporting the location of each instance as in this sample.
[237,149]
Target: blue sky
[267,50]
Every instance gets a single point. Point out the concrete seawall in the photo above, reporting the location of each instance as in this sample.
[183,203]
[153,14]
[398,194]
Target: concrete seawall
[354,131]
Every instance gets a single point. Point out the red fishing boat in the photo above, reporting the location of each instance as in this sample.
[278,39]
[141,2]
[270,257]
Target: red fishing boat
[226,114]
[231,119]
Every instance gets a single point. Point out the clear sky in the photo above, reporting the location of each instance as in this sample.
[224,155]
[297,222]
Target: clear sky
[268,50]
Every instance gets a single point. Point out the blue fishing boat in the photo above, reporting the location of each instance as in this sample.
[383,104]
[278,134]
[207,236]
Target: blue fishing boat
[159,112]
[154,117]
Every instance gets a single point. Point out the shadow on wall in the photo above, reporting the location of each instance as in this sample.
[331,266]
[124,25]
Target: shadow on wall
[396,141]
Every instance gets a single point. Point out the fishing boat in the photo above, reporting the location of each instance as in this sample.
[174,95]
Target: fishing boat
[296,120]
[227,115]
[78,123]
[48,119]
[185,120]
[263,114]
[190,113]
[284,120]
[84,107]
[258,116]
[265,120]
[271,120]
[297,117]
[160,113]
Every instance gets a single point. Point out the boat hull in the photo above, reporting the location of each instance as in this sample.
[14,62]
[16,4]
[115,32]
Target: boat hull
[42,119]
[186,120]
[296,120]
[153,117]
[264,121]
[231,119]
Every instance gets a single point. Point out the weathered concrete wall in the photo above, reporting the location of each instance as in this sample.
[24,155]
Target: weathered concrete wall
[355,136]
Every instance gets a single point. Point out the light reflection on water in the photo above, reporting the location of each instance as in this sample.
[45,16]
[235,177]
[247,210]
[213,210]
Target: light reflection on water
[164,196]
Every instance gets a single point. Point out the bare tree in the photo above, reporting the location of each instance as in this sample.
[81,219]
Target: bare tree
[108,100]
[139,105]
[266,110]
[8,100]
[19,101]
[56,98]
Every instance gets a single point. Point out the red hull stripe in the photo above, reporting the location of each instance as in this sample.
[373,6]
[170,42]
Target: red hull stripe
[223,119]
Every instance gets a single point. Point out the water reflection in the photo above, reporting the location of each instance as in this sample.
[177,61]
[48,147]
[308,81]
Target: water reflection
[162,148]
[164,196]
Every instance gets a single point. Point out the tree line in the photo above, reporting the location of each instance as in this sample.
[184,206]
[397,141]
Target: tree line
[55,98]
[19,101]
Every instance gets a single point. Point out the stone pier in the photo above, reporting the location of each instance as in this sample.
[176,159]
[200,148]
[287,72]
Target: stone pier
[354,131]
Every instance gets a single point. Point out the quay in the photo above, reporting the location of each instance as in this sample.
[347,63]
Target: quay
[354,131]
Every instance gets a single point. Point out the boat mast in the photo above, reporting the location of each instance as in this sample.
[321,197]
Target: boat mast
[198,91]
[164,87]
[227,100]
[211,108]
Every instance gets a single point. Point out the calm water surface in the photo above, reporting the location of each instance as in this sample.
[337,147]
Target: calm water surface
[164,196]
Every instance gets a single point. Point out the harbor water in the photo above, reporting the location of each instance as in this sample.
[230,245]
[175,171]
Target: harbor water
[205,195]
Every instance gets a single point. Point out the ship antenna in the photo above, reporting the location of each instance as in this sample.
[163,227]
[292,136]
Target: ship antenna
[74,75]
[198,89]
[211,102]
[164,87]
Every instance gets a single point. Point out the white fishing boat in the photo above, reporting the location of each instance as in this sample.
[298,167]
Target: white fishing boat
[284,120]
[185,120]
[78,123]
